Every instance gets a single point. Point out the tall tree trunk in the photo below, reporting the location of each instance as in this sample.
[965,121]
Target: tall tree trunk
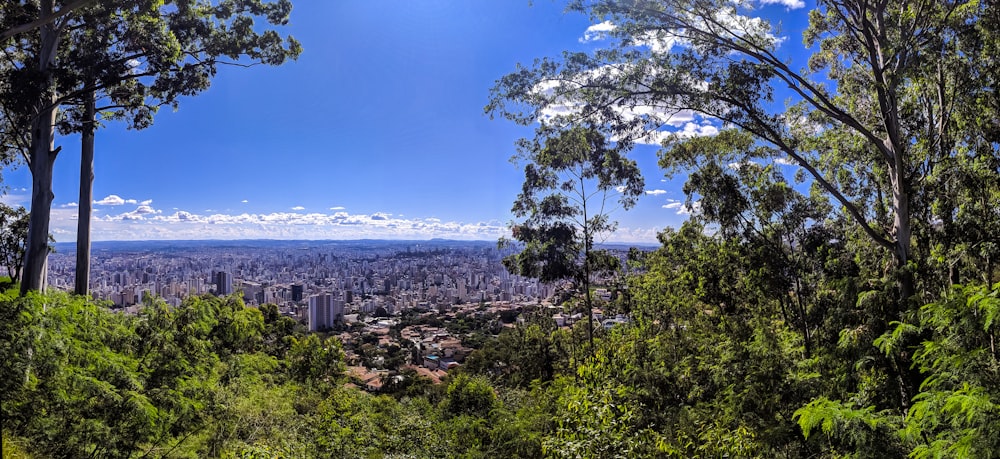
[42,158]
[901,227]
[590,307]
[902,255]
[587,245]
[86,197]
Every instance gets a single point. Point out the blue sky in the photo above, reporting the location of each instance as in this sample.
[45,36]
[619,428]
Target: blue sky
[377,131]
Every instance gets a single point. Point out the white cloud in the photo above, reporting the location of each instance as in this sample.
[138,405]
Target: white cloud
[744,26]
[111,200]
[131,201]
[694,130]
[785,161]
[790,4]
[146,202]
[298,208]
[656,192]
[659,120]
[70,204]
[182,216]
[740,165]
[338,208]
[694,208]
[682,208]
[597,32]
[142,212]
[687,131]
[148,223]
[244,201]
[658,42]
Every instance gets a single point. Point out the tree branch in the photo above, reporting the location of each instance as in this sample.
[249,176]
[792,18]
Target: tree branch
[43,21]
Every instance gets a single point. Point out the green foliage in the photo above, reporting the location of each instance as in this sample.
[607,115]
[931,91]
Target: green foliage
[469,396]
[13,235]
[859,428]
[525,354]
[12,448]
[316,362]
[956,412]
[352,424]
[787,280]
[79,379]
[598,422]
[688,377]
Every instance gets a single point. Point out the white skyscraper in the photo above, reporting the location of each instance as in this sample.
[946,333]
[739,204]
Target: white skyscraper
[324,311]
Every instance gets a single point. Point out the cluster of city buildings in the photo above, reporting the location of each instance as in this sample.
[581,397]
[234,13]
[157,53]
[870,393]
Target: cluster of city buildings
[318,282]
[351,289]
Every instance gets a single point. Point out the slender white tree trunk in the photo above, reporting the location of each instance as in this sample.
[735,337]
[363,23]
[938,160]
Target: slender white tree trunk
[42,158]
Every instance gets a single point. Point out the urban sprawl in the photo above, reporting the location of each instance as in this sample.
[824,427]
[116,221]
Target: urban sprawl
[357,290]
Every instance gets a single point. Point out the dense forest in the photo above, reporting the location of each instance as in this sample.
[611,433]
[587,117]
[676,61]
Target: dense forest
[849,310]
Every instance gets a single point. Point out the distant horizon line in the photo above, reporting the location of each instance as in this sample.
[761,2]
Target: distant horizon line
[437,239]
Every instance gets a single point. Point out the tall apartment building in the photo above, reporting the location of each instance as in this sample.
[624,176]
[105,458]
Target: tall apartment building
[324,311]
[223,283]
[253,292]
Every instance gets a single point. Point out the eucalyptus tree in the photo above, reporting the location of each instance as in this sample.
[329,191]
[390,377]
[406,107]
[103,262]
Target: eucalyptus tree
[573,179]
[869,115]
[148,54]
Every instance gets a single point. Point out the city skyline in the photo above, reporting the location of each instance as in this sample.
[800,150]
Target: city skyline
[376,132]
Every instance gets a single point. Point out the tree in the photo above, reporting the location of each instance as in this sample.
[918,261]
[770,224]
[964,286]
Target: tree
[149,55]
[871,116]
[472,396]
[568,177]
[523,354]
[954,414]
[13,232]
[882,119]
[40,87]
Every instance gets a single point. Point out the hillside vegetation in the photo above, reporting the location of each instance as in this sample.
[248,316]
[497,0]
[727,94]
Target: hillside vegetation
[709,366]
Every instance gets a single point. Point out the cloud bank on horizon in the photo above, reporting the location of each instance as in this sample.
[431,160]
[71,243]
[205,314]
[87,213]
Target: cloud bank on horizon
[144,222]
